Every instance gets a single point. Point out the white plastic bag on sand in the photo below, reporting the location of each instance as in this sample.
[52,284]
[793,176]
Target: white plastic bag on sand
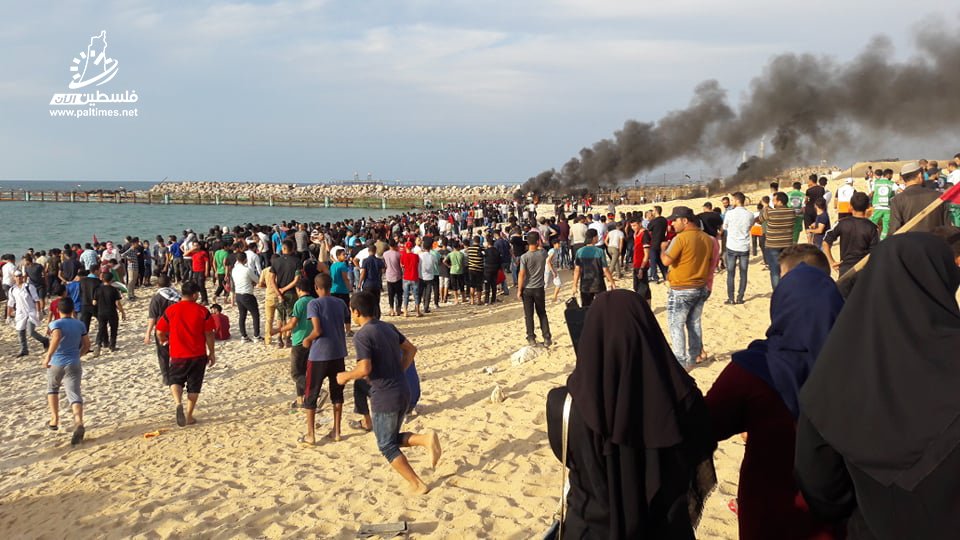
[497,395]
[524,355]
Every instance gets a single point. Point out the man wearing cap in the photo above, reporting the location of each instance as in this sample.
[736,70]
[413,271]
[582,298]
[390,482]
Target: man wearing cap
[913,199]
[689,256]
[23,303]
[842,202]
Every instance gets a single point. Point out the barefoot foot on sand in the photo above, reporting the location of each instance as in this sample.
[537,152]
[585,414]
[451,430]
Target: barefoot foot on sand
[335,436]
[435,450]
[419,489]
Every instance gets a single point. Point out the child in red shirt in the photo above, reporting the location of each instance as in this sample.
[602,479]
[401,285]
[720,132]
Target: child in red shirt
[221,331]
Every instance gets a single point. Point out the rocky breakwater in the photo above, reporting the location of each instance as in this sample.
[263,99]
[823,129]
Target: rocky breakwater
[248,190]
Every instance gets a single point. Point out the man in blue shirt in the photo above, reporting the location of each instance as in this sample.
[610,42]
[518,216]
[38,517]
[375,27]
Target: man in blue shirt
[68,342]
[327,343]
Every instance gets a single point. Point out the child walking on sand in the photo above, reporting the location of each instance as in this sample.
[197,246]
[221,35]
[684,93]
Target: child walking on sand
[383,354]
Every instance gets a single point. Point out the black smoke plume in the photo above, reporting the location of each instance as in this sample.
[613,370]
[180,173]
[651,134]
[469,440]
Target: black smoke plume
[809,103]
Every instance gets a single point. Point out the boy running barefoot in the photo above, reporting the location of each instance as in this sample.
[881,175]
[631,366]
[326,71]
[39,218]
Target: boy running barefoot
[383,354]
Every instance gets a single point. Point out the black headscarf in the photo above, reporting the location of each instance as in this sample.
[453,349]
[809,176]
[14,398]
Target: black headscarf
[884,392]
[631,392]
[804,307]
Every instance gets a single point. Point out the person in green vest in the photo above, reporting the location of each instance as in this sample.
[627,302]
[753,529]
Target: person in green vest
[883,192]
[795,200]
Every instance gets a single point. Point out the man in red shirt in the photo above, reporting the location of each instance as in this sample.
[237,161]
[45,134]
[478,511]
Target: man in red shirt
[641,254]
[200,259]
[410,264]
[188,328]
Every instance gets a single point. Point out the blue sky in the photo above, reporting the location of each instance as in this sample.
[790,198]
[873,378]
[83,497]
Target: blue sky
[448,90]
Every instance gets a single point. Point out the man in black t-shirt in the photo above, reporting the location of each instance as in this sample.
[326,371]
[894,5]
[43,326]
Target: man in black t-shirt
[814,192]
[857,235]
[165,297]
[88,288]
[286,271]
[658,232]
[711,221]
[107,300]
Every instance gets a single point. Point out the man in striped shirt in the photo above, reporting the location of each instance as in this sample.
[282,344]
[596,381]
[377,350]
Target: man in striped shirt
[780,221]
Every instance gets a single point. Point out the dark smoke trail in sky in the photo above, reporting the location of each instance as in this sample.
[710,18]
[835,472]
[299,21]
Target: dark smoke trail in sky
[808,102]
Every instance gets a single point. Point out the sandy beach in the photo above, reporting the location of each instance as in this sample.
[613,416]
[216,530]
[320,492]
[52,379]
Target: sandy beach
[239,472]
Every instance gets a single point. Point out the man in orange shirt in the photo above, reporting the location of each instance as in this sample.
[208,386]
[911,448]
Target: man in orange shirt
[188,328]
[689,256]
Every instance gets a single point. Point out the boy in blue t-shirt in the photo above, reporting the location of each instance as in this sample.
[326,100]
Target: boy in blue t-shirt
[383,356]
[68,342]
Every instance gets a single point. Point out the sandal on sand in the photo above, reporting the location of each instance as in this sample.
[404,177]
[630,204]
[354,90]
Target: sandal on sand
[78,435]
[303,440]
[358,425]
[181,418]
[53,427]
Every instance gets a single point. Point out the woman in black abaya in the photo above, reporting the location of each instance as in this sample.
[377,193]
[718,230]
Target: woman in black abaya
[878,438]
[640,450]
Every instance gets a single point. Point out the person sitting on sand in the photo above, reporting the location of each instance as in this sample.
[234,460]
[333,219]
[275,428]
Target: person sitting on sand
[383,354]
[327,343]
[878,444]
[221,330]
[639,451]
[757,393]
[188,329]
[68,342]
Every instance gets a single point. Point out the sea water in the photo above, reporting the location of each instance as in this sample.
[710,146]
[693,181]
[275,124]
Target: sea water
[44,225]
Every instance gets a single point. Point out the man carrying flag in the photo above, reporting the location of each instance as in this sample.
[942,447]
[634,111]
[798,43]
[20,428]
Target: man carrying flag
[915,199]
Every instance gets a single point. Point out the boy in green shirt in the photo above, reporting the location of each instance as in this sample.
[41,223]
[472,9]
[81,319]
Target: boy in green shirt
[299,326]
[795,202]
[454,260]
[219,260]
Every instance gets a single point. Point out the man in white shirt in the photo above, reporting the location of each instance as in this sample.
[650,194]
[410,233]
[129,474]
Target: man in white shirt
[23,303]
[601,228]
[244,280]
[614,242]
[425,292]
[737,222]
[578,234]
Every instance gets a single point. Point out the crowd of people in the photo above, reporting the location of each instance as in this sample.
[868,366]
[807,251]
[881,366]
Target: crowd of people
[846,407]
[323,283]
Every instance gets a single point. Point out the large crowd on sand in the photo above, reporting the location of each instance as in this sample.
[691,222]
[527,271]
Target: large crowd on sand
[847,406]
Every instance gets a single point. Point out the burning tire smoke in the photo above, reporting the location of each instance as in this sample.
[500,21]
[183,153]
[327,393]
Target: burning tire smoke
[807,102]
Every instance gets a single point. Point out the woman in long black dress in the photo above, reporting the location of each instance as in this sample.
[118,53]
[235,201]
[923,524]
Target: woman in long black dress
[878,439]
[640,450]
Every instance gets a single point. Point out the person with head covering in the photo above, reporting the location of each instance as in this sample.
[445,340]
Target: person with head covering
[757,394]
[640,451]
[878,440]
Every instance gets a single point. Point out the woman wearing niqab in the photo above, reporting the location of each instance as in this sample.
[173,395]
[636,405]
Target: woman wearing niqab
[640,451]
[878,440]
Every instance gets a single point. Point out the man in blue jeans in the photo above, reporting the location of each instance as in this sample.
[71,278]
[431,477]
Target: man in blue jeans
[383,355]
[736,230]
[689,256]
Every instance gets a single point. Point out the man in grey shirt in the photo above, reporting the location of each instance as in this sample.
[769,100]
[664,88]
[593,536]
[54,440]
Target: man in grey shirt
[303,241]
[530,285]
